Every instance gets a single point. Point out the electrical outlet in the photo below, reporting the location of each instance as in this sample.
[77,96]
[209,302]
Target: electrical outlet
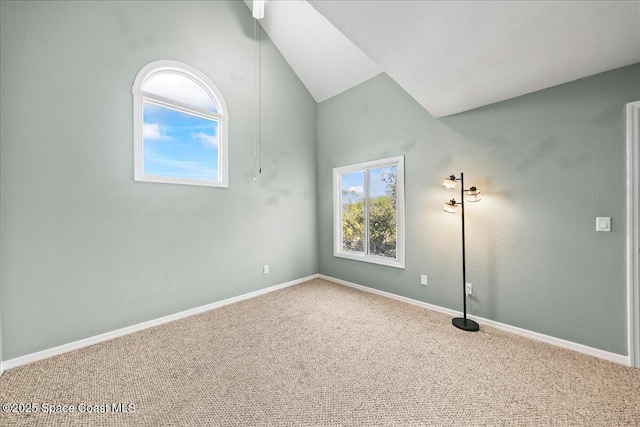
[265,269]
[469,289]
[423,279]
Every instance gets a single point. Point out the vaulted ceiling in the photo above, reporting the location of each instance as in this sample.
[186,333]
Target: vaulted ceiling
[453,56]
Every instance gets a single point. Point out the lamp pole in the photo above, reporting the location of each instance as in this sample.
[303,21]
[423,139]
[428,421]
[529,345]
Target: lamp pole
[462,322]
[464,254]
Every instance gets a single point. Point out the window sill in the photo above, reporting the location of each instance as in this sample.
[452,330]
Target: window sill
[183,181]
[372,259]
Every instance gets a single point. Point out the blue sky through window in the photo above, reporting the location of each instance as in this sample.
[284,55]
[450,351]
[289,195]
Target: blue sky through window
[376,184]
[352,187]
[179,145]
[354,182]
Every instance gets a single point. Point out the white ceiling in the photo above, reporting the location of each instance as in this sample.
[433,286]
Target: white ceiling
[325,60]
[453,56]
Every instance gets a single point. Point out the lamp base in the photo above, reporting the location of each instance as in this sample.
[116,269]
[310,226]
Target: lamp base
[465,324]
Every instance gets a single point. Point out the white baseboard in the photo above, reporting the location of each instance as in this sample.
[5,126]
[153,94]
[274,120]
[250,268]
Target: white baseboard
[23,360]
[602,354]
[28,358]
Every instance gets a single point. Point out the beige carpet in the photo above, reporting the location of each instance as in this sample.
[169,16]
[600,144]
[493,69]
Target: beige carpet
[320,354]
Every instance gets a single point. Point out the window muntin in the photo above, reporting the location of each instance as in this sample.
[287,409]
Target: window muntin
[180,123]
[369,212]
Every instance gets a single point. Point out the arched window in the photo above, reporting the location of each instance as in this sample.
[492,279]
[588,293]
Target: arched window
[180,126]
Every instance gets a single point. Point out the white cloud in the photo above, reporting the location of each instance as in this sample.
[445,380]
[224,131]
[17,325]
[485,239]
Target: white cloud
[358,189]
[153,132]
[206,139]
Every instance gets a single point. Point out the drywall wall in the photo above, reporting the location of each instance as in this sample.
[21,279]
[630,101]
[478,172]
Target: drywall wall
[547,163]
[85,249]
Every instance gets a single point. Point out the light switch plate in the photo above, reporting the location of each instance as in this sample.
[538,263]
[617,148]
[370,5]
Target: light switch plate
[603,223]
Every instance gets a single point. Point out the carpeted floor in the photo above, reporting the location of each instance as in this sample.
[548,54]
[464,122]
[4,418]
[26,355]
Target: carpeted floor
[320,354]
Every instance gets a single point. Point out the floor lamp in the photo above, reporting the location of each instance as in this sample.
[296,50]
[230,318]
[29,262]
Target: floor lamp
[473,195]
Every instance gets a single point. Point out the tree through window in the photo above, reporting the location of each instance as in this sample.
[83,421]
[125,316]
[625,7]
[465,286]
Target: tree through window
[369,212]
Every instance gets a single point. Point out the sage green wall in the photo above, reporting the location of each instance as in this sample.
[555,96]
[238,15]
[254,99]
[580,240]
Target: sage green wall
[85,249]
[548,163]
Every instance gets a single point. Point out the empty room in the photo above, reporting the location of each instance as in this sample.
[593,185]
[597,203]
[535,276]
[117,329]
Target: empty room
[319,213]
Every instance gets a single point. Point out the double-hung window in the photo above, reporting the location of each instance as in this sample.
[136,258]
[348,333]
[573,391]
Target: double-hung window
[369,212]
[180,127]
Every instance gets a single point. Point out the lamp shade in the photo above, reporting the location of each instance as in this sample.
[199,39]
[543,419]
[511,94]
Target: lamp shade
[473,195]
[450,182]
[451,206]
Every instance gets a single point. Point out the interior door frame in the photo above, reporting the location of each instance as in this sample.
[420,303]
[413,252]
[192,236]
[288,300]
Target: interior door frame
[633,231]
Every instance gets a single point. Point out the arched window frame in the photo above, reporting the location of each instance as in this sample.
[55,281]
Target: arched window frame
[222,116]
